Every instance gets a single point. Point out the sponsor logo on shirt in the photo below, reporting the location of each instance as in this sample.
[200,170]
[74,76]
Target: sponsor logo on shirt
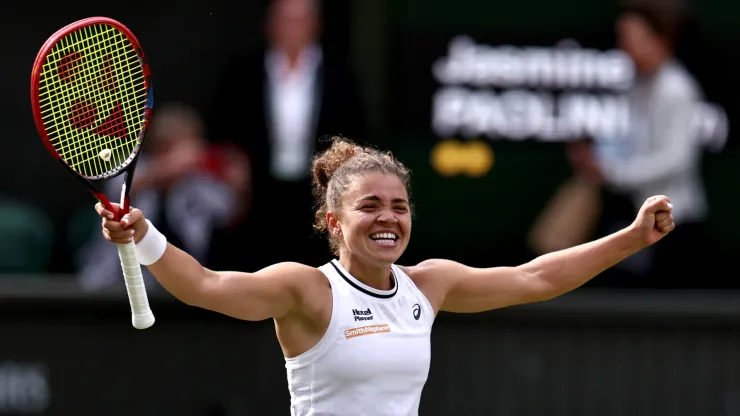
[362,314]
[366,330]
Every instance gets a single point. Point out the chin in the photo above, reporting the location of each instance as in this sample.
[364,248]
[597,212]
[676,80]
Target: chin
[385,257]
[386,260]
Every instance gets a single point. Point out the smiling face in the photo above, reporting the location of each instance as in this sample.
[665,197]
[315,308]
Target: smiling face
[374,222]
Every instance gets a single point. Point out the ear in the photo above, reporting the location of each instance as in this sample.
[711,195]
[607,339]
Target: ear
[332,224]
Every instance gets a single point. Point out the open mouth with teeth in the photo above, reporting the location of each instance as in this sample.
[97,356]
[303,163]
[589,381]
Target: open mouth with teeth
[384,239]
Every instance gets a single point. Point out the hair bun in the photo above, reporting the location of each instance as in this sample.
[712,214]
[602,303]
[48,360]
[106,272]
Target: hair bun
[326,164]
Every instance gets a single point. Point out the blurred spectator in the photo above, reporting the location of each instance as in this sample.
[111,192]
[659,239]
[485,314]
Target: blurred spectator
[661,154]
[187,188]
[572,215]
[277,104]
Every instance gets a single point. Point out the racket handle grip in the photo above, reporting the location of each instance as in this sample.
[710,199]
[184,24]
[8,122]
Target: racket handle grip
[141,314]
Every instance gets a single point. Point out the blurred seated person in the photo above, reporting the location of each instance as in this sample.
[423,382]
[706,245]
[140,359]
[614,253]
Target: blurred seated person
[572,215]
[191,187]
[277,103]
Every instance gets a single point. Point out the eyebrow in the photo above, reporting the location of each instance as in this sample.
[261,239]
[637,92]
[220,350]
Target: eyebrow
[374,198]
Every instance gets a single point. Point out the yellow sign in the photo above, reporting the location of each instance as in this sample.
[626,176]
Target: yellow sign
[453,158]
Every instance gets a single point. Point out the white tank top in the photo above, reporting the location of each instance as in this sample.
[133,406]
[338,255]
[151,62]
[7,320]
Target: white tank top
[374,357]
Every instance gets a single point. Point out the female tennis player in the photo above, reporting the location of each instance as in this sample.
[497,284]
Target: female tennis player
[355,332]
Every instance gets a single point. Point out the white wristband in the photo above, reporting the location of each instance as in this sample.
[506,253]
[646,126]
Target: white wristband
[151,247]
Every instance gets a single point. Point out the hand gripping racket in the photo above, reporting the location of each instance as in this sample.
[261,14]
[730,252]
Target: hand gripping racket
[92,102]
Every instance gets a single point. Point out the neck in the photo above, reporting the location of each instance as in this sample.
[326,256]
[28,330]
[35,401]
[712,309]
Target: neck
[378,277]
[292,58]
[292,54]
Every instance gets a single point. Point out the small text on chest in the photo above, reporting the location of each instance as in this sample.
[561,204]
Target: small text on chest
[362,314]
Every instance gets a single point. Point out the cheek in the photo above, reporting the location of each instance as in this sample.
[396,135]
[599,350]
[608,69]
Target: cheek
[355,224]
[406,224]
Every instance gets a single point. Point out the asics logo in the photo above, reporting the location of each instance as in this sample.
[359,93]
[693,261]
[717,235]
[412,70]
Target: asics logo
[416,311]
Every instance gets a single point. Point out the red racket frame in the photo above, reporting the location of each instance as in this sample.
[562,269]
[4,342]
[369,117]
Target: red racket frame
[129,165]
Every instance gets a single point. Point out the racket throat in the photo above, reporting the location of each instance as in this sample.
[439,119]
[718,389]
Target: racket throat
[125,200]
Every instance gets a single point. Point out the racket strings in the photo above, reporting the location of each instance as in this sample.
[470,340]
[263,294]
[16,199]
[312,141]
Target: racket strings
[92,98]
[83,119]
[78,116]
[92,83]
[123,150]
[91,80]
[68,148]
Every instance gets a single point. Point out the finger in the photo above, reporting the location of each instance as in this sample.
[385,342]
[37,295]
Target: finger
[112,225]
[118,237]
[134,215]
[100,209]
[659,197]
[661,216]
[121,235]
[665,222]
[659,203]
[668,228]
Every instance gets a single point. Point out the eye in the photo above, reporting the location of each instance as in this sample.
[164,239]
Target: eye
[401,209]
[369,207]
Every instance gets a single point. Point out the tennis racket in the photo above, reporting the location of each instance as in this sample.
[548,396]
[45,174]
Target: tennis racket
[92,102]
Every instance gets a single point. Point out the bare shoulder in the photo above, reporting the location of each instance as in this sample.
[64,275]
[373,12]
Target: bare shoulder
[310,288]
[431,269]
[289,268]
[297,274]
[434,278]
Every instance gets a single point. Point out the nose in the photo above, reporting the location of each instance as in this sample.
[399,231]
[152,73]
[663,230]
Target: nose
[387,216]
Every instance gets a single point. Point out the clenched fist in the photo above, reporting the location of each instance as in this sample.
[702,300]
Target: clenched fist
[654,221]
[131,226]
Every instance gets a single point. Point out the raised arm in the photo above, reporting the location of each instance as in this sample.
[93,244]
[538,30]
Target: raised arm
[455,287]
[272,292]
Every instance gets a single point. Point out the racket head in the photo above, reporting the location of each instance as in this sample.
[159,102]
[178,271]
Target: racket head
[91,97]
